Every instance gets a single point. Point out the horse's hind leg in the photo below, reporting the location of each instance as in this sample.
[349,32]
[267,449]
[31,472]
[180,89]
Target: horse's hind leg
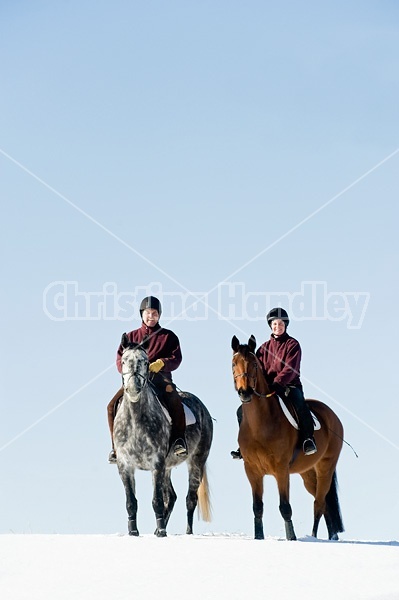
[169,497]
[310,483]
[322,485]
[195,472]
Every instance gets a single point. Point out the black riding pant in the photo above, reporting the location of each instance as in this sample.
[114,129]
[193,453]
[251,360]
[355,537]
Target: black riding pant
[169,397]
[305,420]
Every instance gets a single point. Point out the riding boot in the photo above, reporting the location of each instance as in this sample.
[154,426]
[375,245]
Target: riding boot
[306,425]
[170,397]
[236,454]
[111,410]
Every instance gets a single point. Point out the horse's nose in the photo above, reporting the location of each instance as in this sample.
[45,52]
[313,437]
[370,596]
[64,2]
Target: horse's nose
[131,393]
[245,394]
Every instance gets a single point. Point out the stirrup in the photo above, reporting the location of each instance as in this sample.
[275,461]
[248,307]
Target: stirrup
[180,447]
[236,454]
[112,457]
[309,447]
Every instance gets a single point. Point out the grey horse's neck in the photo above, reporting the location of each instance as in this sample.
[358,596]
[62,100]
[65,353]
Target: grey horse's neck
[146,403]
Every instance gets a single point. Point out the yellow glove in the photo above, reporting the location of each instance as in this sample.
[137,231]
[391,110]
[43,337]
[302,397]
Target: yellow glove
[157,365]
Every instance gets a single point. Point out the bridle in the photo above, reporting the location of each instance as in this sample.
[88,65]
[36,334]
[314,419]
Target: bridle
[255,378]
[134,374]
[145,379]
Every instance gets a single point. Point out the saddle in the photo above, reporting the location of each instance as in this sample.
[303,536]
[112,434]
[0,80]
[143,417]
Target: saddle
[290,417]
[188,413]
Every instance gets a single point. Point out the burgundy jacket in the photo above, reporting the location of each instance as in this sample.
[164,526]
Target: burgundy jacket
[162,343]
[280,358]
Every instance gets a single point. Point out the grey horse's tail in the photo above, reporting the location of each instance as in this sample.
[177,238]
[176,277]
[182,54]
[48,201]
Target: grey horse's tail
[204,501]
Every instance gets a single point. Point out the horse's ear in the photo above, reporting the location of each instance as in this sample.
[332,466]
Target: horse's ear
[235,343]
[252,343]
[124,341]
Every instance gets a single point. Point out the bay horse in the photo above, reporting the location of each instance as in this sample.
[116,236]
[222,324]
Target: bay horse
[141,438]
[270,445]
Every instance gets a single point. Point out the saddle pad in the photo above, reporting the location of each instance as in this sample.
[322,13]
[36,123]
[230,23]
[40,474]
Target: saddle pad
[190,417]
[188,413]
[291,419]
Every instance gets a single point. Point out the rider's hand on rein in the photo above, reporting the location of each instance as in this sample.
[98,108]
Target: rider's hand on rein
[156,366]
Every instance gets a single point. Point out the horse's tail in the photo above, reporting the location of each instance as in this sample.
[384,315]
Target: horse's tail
[204,501]
[333,509]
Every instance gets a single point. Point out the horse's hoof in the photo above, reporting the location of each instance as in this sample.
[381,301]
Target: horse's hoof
[160,532]
[289,531]
[258,529]
[132,527]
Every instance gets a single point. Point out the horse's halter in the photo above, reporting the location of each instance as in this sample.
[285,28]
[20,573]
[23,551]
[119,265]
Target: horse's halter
[250,388]
[129,374]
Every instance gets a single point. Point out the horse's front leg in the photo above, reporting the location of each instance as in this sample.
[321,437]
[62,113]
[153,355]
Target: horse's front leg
[256,482]
[283,484]
[131,500]
[158,479]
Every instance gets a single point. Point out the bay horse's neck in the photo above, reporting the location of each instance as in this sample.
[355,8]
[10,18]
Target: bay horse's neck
[261,386]
[263,408]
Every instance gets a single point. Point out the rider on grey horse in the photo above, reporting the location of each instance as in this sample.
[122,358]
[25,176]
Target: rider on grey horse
[164,354]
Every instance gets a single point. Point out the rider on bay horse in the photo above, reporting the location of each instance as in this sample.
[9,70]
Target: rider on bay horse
[280,358]
[164,355]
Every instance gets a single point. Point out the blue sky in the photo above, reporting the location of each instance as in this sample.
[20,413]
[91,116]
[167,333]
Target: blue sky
[181,147]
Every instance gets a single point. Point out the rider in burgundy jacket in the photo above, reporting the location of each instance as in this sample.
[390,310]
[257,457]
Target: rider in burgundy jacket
[162,343]
[280,358]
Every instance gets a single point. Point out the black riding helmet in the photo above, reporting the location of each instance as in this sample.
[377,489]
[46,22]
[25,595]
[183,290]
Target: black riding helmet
[277,313]
[150,302]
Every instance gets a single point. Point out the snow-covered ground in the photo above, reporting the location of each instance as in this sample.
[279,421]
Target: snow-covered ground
[222,566]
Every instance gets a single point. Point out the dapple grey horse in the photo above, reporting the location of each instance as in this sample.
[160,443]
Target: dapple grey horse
[141,438]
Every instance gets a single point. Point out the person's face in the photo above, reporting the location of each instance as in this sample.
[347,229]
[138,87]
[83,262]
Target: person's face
[150,317]
[278,326]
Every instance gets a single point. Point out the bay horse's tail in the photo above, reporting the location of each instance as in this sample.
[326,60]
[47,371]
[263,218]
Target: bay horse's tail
[333,513]
[204,501]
